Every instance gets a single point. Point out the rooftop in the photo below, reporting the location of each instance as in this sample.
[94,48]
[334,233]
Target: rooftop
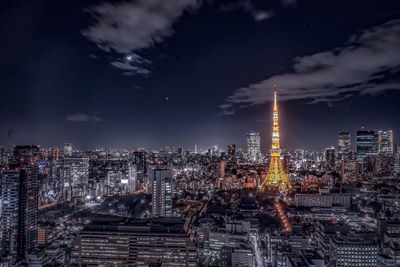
[133,225]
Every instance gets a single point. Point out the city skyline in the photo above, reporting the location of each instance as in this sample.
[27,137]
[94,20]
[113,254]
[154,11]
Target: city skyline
[66,77]
[208,133]
[243,145]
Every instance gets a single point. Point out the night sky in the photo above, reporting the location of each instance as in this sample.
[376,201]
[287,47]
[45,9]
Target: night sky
[155,73]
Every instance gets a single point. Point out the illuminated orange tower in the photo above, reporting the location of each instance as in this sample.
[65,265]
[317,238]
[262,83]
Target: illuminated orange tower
[275,178]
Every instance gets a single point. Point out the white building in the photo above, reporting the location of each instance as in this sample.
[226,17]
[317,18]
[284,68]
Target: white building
[253,147]
[67,150]
[385,142]
[75,176]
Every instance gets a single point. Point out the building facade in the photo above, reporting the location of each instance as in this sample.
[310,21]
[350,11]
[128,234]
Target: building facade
[253,147]
[160,242]
[161,190]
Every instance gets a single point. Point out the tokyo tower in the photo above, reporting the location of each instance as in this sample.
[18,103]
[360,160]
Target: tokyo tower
[275,178]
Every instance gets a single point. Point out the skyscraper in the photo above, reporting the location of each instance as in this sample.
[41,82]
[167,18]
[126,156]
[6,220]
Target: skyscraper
[330,158]
[385,143]
[344,145]
[366,144]
[141,166]
[397,159]
[75,176]
[231,151]
[276,177]
[20,202]
[161,189]
[253,147]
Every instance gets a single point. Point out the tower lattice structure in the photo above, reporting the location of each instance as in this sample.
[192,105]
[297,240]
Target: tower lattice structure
[275,178]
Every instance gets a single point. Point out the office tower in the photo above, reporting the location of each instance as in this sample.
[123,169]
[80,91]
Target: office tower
[325,230]
[129,242]
[348,170]
[20,203]
[330,158]
[231,151]
[353,251]
[231,163]
[253,147]
[221,165]
[132,178]
[3,156]
[397,160]
[74,175]
[275,177]
[140,157]
[344,145]
[10,216]
[366,144]
[385,165]
[161,189]
[385,143]
[67,150]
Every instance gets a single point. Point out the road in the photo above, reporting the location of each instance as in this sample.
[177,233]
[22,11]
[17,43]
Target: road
[256,249]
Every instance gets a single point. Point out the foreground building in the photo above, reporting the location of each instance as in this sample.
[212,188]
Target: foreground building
[125,242]
[18,222]
[161,190]
[353,251]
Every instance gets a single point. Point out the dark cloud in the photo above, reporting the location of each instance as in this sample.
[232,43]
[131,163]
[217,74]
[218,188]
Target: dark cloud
[82,117]
[287,3]
[131,26]
[249,7]
[359,67]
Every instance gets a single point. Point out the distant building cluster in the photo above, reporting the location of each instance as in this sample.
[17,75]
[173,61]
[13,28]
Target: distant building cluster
[174,207]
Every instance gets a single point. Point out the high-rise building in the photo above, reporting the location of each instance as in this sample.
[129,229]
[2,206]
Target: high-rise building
[253,147]
[397,159]
[366,144]
[3,156]
[330,158]
[348,170]
[161,189]
[67,150]
[124,242]
[140,157]
[275,177]
[344,145]
[385,142]
[74,174]
[221,165]
[20,203]
[231,151]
